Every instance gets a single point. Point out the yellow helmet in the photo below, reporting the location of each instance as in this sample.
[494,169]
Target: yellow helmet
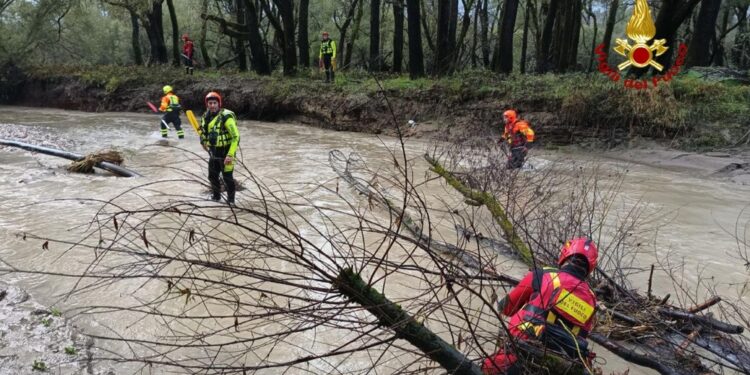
[167,89]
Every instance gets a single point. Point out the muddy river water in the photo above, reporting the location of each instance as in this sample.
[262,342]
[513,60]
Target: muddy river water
[698,210]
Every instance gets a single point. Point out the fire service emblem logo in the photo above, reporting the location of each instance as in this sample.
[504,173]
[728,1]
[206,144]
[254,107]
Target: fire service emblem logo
[640,30]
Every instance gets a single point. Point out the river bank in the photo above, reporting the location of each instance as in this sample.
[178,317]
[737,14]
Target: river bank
[691,113]
[36,338]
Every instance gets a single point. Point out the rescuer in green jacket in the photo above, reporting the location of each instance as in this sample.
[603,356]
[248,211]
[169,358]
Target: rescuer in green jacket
[220,137]
[327,58]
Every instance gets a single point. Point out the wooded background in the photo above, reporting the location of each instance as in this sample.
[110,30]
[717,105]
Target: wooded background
[421,37]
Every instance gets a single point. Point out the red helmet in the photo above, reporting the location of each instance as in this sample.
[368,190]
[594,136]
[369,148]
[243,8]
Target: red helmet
[511,115]
[580,246]
[212,95]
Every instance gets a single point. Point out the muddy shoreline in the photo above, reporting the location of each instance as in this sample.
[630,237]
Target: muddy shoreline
[34,337]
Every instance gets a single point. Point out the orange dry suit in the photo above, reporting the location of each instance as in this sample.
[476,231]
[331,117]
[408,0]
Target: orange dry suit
[519,126]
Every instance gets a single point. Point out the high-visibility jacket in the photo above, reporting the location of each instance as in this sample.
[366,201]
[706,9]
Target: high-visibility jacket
[328,47]
[514,128]
[169,103]
[220,131]
[549,296]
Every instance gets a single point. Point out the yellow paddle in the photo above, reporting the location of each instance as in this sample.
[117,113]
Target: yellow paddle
[193,121]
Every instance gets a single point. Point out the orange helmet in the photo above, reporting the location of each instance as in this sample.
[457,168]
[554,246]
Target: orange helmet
[212,95]
[580,246]
[511,113]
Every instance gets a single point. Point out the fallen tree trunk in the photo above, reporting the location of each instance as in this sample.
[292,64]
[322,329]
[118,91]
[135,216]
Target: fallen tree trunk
[632,356]
[393,317]
[114,168]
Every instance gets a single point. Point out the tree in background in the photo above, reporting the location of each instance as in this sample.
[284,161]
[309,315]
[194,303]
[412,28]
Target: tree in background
[671,16]
[175,34]
[699,53]
[398,35]
[504,61]
[303,40]
[610,25]
[274,34]
[416,58]
[375,58]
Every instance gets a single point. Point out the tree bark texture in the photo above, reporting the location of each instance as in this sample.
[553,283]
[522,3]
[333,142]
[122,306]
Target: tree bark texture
[239,43]
[610,26]
[135,38]
[175,34]
[442,43]
[510,10]
[416,57]
[259,58]
[393,317]
[671,16]
[355,33]
[303,40]
[741,47]
[204,24]
[375,58]
[155,32]
[699,53]
[525,39]
[286,10]
[398,35]
[543,54]
[564,47]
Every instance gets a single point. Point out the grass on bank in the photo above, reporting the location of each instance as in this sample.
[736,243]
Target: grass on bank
[697,113]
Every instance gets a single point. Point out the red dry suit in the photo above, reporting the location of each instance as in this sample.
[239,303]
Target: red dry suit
[555,306]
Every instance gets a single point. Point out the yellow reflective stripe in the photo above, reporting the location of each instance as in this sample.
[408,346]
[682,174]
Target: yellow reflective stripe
[531,328]
[551,317]
[574,306]
[555,280]
[576,330]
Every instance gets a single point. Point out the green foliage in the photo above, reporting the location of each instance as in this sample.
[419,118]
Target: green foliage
[71,350]
[700,113]
[56,312]
[47,322]
[39,366]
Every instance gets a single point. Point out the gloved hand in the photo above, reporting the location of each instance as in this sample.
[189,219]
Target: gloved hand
[228,160]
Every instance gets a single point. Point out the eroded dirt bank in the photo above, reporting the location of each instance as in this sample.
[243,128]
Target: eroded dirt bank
[563,109]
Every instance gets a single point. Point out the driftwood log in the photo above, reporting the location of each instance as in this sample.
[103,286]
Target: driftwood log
[111,167]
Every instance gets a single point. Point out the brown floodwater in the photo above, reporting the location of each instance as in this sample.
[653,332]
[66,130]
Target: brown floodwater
[38,196]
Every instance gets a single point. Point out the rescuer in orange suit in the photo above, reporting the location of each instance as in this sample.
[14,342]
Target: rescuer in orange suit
[553,305]
[519,135]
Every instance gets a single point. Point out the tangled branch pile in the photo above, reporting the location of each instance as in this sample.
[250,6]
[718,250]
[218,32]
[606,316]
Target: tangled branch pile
[86,165]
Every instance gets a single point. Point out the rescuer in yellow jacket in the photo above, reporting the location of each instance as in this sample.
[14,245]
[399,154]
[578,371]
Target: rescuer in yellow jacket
[327,57]
[170,105]
[220,137]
